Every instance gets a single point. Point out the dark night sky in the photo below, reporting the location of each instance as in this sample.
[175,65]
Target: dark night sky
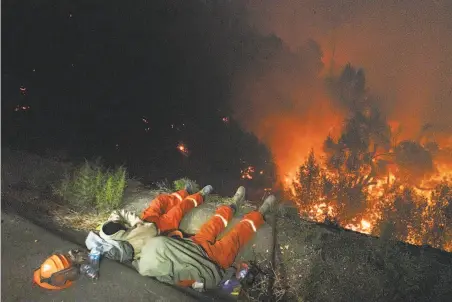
[93,69]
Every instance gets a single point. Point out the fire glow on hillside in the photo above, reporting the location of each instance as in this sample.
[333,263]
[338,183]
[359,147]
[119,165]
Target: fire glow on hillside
[413,198]
[369,173]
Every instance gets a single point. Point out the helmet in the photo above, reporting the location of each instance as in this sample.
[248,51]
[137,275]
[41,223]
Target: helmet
[57,272]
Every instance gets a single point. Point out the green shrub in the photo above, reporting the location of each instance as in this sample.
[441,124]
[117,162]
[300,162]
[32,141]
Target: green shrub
[91,185]
[179,184]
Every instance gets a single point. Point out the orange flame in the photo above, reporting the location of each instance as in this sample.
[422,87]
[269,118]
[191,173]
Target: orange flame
[182,149]
[247,173]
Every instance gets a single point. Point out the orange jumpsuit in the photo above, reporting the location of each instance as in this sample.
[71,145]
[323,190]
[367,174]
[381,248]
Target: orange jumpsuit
[167,211]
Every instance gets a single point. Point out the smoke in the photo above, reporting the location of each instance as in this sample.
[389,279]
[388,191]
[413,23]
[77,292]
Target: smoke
[404,47]
[281,98]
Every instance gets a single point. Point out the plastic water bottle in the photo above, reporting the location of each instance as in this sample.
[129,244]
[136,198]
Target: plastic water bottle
[242,273]
[94,258]
[91,269]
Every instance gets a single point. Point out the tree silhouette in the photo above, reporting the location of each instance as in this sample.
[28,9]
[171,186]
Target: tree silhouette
[414,161]
[353,157]
[309,185]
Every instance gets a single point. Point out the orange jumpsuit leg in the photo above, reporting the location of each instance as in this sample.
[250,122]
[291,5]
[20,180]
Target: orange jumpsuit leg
[161,205]
[214,226]
[171,220]
[224,251]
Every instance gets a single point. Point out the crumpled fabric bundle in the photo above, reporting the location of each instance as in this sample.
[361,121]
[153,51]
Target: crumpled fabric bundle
[116,250]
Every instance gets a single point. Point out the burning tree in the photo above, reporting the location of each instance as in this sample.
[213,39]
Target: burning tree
[404,215]
[369,182]
[414,162]
[309,184]
[438,217]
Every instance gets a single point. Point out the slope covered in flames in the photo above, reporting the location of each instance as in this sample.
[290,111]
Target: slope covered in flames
[369,177]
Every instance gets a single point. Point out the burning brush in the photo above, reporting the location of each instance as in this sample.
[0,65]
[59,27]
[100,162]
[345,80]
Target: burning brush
[183,149]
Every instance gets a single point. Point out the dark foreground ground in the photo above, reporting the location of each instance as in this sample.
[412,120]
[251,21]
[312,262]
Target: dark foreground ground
[26,245]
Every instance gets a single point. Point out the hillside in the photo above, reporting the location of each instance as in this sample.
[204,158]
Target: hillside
[313,262]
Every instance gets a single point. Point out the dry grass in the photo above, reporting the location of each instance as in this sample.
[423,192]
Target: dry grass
[27,180]
[87,221]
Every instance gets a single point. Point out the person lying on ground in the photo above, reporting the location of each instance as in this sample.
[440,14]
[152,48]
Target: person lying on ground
[200,261]
[124,233]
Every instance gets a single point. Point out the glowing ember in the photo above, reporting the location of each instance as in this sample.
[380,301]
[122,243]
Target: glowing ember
[363,227]
[247,173]
[22,108]
[182,149]
[146,121]
[320,212]
[365,224]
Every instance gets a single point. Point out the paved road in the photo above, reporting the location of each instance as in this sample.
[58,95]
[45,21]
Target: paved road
[24,246]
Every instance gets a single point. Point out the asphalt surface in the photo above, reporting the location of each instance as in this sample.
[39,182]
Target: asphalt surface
[25,246]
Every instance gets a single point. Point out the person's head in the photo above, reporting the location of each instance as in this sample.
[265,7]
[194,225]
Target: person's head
[112,227]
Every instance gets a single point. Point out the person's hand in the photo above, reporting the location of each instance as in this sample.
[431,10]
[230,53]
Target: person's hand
[198,286]
[152,228]
[114,216]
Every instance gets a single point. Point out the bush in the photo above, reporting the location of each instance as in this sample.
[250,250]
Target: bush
[179,184]
[91,185]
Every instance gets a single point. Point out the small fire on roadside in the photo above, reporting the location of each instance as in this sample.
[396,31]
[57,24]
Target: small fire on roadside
[183,149]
